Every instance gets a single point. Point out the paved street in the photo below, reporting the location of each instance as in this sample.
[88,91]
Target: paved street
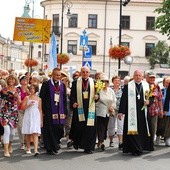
[69,159]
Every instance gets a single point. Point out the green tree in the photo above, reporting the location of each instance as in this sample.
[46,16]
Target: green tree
[159,54]
[163,20]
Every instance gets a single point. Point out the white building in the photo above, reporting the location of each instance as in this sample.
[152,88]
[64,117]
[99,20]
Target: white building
[100,19]
[12,56]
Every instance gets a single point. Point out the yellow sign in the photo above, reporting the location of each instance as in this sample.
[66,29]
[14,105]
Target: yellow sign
[32,30]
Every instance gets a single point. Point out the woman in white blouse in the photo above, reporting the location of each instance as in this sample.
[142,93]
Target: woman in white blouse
[104,108]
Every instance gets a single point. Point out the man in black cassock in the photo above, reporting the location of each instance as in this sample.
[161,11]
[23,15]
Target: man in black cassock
[83,128]
[167,100]
[137,135]
[53,95]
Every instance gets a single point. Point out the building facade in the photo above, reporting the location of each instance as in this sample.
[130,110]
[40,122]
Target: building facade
[12,55]
[101,20]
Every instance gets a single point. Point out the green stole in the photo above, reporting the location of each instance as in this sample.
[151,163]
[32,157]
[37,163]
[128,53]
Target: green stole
[91,110]
[132,112]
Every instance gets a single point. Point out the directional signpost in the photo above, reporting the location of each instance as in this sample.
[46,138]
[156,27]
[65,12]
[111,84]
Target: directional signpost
[87,50]
[88,53]
[83,41]
[87,57]
[87,63]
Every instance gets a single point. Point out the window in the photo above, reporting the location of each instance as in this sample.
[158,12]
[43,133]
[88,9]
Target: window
[72,23]
[148,48]
[92,21]
[125,22]
[72,47]
[93,44]
[150,23]
[39,46]
[39,54]
[12,65]
[55,27]
[46,56]
[125,44]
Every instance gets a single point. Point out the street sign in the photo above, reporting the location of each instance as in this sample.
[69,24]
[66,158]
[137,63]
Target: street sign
[83,40]
[88,64]
[87,57]
[32,30]
[88,53]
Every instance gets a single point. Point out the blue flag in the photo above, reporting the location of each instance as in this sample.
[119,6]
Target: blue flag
[52,60]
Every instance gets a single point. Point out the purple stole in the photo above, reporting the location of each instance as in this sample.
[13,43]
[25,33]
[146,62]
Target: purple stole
[58,115]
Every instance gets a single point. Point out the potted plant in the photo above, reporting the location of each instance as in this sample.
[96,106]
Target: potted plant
[119,52]
[62,58]
[31,62]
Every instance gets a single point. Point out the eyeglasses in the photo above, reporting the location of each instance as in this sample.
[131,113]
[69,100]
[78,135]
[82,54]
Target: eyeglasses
[105,81]
[85,71]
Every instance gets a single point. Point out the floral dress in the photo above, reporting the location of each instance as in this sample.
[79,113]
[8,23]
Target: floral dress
[9,109]
[154,108]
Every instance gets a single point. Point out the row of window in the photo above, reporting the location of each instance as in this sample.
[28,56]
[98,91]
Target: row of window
[92,22]
[72,47]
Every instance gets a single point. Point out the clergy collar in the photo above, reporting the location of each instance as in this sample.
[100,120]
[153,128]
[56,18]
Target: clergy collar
[56,81]
[138,83]
[85,79]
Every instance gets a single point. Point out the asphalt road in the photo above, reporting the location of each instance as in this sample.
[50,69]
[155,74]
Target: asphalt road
[69,159]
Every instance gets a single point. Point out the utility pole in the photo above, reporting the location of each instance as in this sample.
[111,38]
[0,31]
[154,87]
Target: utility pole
[124,3]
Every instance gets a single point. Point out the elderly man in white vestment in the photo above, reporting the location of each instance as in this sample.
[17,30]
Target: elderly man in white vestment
[137,126]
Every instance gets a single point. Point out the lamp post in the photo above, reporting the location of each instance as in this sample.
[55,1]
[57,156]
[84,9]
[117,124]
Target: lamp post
[65,4]
[111,44]
[124,3]
[128,60]
[68,4]
[26,15]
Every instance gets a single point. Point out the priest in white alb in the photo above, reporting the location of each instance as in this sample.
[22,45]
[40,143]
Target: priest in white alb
[137,126]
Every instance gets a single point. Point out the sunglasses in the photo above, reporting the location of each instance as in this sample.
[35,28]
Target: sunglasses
[105,81]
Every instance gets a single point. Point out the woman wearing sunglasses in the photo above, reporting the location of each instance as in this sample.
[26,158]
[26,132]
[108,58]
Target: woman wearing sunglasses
[105,107]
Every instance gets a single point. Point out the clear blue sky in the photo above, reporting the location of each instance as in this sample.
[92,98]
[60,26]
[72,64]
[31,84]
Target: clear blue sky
[9,9]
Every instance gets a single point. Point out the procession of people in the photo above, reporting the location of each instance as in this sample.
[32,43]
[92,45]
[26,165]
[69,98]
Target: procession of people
[44,109]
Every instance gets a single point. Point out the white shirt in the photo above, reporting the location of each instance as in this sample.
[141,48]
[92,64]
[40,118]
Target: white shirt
[107,99]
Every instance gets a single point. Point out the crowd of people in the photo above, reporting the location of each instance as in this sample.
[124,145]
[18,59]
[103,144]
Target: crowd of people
[86,111]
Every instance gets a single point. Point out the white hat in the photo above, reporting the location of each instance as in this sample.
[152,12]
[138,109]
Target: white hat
[34,73]
[22,77]
[126,78]
[65,73]
[39,78]
[104,77]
